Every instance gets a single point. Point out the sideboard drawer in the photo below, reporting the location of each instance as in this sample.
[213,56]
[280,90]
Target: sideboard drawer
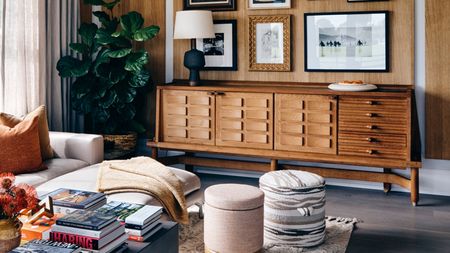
[373,152]
[375,141]
[372,104]
[373,116]
[373,127]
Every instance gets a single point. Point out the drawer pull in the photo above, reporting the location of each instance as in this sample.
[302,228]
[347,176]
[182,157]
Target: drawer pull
[216,93]
[220,93]
[371,115]
[211,93]
[371,102]
[370,139]
[371,127]
[371,152]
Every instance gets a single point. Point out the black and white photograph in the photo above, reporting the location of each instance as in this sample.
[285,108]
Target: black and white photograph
[221,51]
[213,5]
[269,43]
[353,41]
[214,46]
[269,4]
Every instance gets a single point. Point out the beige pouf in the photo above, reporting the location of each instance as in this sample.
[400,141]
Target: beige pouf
[294,208]
[233,218]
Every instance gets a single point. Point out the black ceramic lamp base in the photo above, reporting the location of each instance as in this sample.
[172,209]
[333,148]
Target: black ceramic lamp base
[194,60]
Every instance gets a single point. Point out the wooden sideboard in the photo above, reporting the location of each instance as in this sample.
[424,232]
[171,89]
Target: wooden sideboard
[292,121]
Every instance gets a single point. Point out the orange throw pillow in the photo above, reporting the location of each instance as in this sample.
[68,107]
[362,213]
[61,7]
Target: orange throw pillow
[44,138]
[20,150]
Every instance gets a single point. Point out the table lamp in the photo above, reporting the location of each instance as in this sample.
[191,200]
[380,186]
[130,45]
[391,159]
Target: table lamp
[194,25]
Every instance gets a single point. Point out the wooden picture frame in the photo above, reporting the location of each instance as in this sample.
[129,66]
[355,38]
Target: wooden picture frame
[274,4]
[213,5]
[336,46]
[221,52]
[270,43]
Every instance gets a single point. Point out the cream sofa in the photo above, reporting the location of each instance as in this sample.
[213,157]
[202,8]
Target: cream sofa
[76,165]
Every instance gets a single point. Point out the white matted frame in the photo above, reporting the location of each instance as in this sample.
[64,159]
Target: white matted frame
[269,4]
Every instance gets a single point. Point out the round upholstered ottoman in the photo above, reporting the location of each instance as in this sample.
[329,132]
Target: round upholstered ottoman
[234,218]
[294,208]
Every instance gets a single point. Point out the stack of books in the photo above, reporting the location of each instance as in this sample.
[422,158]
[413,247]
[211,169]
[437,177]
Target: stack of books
[45,246]
[66,201]
[141,221]
[94,231]
[39,229]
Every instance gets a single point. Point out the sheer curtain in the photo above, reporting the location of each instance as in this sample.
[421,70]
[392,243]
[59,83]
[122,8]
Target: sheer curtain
[22,55]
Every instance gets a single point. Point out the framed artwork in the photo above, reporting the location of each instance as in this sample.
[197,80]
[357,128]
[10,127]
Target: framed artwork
[347,41]
[270,43]
[221,51]
[213,5]
[269,4]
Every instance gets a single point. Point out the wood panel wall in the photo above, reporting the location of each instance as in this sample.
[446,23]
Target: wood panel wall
[401,31]
[154,13]
[437,79]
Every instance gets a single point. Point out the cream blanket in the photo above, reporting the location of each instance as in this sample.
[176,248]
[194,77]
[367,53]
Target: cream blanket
[145,175]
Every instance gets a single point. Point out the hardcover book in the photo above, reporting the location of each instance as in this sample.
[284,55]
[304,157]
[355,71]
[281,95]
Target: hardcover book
[87,219]
[75,198]
[146,236]
[131,213]
[45,246]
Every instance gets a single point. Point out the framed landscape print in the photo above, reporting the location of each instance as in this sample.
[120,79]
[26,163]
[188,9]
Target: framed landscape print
[347,41]
[269,4]
[214,5]
[221,51]
[270,43]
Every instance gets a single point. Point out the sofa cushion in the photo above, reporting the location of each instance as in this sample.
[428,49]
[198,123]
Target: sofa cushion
[44,139]
[56,167]
[21,152]
[86,179]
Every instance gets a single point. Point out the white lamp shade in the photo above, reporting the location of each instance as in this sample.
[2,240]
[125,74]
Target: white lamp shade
[194,25]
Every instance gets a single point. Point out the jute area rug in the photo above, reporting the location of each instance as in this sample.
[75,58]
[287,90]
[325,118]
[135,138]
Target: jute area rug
[338,233]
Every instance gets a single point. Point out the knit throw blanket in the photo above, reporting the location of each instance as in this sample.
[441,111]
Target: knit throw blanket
[145,175]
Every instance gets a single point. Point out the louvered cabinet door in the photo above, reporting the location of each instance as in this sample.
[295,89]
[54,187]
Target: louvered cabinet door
[244,120]
[188,117]
[305,123]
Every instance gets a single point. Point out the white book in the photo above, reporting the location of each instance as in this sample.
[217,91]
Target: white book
[130,213]
[86,232]
[137,232]
[144,215]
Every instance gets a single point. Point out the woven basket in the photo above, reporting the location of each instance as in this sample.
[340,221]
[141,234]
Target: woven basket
[9,234]
[125,142]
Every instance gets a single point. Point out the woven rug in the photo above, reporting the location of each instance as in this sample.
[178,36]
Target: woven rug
[338,233]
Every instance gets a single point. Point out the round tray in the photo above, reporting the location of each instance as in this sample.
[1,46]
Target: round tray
[362,87]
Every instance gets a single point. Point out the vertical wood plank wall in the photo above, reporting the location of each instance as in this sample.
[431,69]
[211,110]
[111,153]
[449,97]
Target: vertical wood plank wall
[401,31]
[437,79]
[154,13]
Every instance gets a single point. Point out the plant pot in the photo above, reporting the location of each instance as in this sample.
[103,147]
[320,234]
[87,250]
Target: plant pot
[9,234]
[124,142]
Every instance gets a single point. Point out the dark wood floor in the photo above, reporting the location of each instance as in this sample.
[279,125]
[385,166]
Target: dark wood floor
[390,223]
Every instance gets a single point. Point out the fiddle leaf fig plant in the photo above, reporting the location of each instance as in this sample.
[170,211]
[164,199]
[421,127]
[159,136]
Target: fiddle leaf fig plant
[111,72]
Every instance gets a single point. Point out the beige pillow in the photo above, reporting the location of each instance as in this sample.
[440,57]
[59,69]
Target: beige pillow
[20,148]
[44,138]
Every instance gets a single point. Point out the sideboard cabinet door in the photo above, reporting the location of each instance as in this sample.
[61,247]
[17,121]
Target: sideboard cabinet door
[245,120]
[188,117]
[306,123]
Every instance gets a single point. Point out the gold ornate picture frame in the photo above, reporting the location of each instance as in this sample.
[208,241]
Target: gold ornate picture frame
[270,43]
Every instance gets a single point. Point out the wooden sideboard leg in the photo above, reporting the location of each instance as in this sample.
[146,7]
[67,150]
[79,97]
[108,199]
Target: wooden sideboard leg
[414,186]
[387,186]
[189,167]
[154,153]
[273,165]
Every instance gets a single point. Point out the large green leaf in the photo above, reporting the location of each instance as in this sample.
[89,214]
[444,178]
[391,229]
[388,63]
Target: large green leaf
[81,87]
[140,79]
[87,33]
[107,100]
[127,112]
[68,66]
[102,57]
[112,73]
[131,22]
[100,114]
[104,37]
[119,53]
[103,17]
[126,94]
[111,5]
[136,61]
[146,33]
[79,48]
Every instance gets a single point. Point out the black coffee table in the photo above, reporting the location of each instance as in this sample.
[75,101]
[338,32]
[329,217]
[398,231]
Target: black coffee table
[165,240]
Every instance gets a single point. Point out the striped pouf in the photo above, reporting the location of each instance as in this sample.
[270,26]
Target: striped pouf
[294,208]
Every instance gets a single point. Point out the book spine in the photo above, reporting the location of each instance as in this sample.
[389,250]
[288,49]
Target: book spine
[133,226]
[64,210]
[82,241]
[69,205]
[133,232]
[82,232]
[136,238]
[76,225]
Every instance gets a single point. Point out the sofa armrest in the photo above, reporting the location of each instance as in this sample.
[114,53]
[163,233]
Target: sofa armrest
[85,147]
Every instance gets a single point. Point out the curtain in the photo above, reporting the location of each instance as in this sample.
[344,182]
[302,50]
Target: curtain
[35,34]
[22,55]
[62,21]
